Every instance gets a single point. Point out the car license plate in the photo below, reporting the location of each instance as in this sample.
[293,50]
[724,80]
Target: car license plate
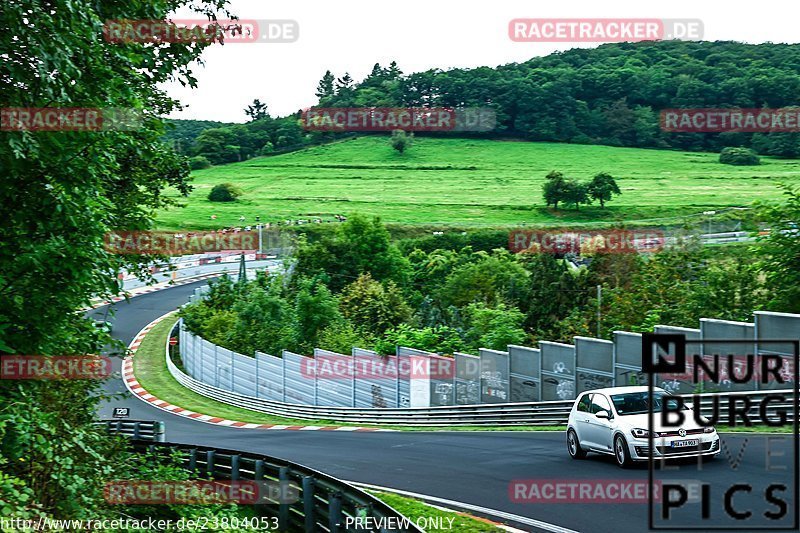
[685,443]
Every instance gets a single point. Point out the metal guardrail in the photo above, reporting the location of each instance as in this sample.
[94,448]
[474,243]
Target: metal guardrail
[145,430]
[507,414]
[323,504]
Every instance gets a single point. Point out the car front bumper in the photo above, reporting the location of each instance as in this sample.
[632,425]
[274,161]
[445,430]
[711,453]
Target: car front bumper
[640,448]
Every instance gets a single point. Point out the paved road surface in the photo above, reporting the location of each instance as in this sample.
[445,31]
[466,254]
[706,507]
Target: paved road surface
[474,467]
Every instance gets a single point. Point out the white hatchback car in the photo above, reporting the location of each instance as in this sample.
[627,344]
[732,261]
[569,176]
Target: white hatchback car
[614,421]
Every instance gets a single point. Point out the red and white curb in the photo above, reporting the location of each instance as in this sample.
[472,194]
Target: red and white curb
[137,390]
[154,288]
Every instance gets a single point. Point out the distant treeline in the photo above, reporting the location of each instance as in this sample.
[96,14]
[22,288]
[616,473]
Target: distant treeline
[608,95]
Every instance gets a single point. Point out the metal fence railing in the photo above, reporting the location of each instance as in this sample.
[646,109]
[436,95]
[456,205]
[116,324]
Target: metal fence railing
[323,503]
[145,430]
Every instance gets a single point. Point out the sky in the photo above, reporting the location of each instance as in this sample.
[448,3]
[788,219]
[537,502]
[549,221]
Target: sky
[352,35]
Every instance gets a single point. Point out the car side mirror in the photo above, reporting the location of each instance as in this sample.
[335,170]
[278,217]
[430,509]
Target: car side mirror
[602,414]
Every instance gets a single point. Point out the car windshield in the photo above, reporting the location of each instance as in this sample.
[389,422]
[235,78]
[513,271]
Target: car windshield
[636,403]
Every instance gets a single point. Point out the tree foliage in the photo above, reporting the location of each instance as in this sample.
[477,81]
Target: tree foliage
[602,187]
[68,190]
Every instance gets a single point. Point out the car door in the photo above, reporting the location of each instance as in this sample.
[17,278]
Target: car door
[581,418]
[599,429]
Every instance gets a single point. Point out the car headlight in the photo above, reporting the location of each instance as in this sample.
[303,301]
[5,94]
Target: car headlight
[641,433]
[709,429]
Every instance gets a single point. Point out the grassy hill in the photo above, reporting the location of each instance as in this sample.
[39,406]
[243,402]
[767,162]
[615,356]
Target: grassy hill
[473,183]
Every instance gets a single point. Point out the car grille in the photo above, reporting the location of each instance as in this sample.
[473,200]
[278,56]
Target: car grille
[644,451]
[698,431]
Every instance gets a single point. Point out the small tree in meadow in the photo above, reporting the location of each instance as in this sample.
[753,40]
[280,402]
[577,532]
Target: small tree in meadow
[602,188]
[401,140]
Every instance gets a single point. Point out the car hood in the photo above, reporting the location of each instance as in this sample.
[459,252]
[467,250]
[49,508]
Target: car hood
[641,421]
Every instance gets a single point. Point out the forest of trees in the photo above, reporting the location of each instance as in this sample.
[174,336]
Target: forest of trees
[609,95]
[356,286]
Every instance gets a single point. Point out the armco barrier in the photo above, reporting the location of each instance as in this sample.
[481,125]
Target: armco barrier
[323,504]
[145,430]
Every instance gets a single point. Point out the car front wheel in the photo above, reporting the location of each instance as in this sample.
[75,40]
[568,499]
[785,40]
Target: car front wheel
[621,452]
[574,445]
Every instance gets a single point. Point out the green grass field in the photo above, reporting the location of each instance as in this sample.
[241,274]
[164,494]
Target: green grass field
[463,182]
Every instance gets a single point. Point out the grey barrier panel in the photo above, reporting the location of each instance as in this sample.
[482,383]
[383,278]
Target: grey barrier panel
[299,382]
[270,377]
[208,355]
[335,375]
[415,388]
[594,363]
[495,376]
[692,334]
[628,359]
[244,374]
[192,357]
[558,371]
[442,380]
[525,378]
[224,368]
[712,329]
[187,354]
[376,385]
[680,383]
[468,379]
[778,326]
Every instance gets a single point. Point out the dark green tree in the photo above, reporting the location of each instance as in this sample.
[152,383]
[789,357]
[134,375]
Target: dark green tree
[602,188]
[257,110]
[325,88]
[575,192]
[554,189]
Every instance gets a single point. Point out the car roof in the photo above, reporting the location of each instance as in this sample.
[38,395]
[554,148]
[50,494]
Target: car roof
[622,390]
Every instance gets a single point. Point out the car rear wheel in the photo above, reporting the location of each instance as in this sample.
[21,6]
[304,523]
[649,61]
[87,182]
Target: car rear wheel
[574,445]
[621,452]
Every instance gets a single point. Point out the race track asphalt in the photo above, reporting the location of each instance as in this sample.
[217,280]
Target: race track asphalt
[479,467]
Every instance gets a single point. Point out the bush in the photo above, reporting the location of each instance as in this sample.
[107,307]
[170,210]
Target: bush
[400,140]
[199,162]
[738,156]
[224,192]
